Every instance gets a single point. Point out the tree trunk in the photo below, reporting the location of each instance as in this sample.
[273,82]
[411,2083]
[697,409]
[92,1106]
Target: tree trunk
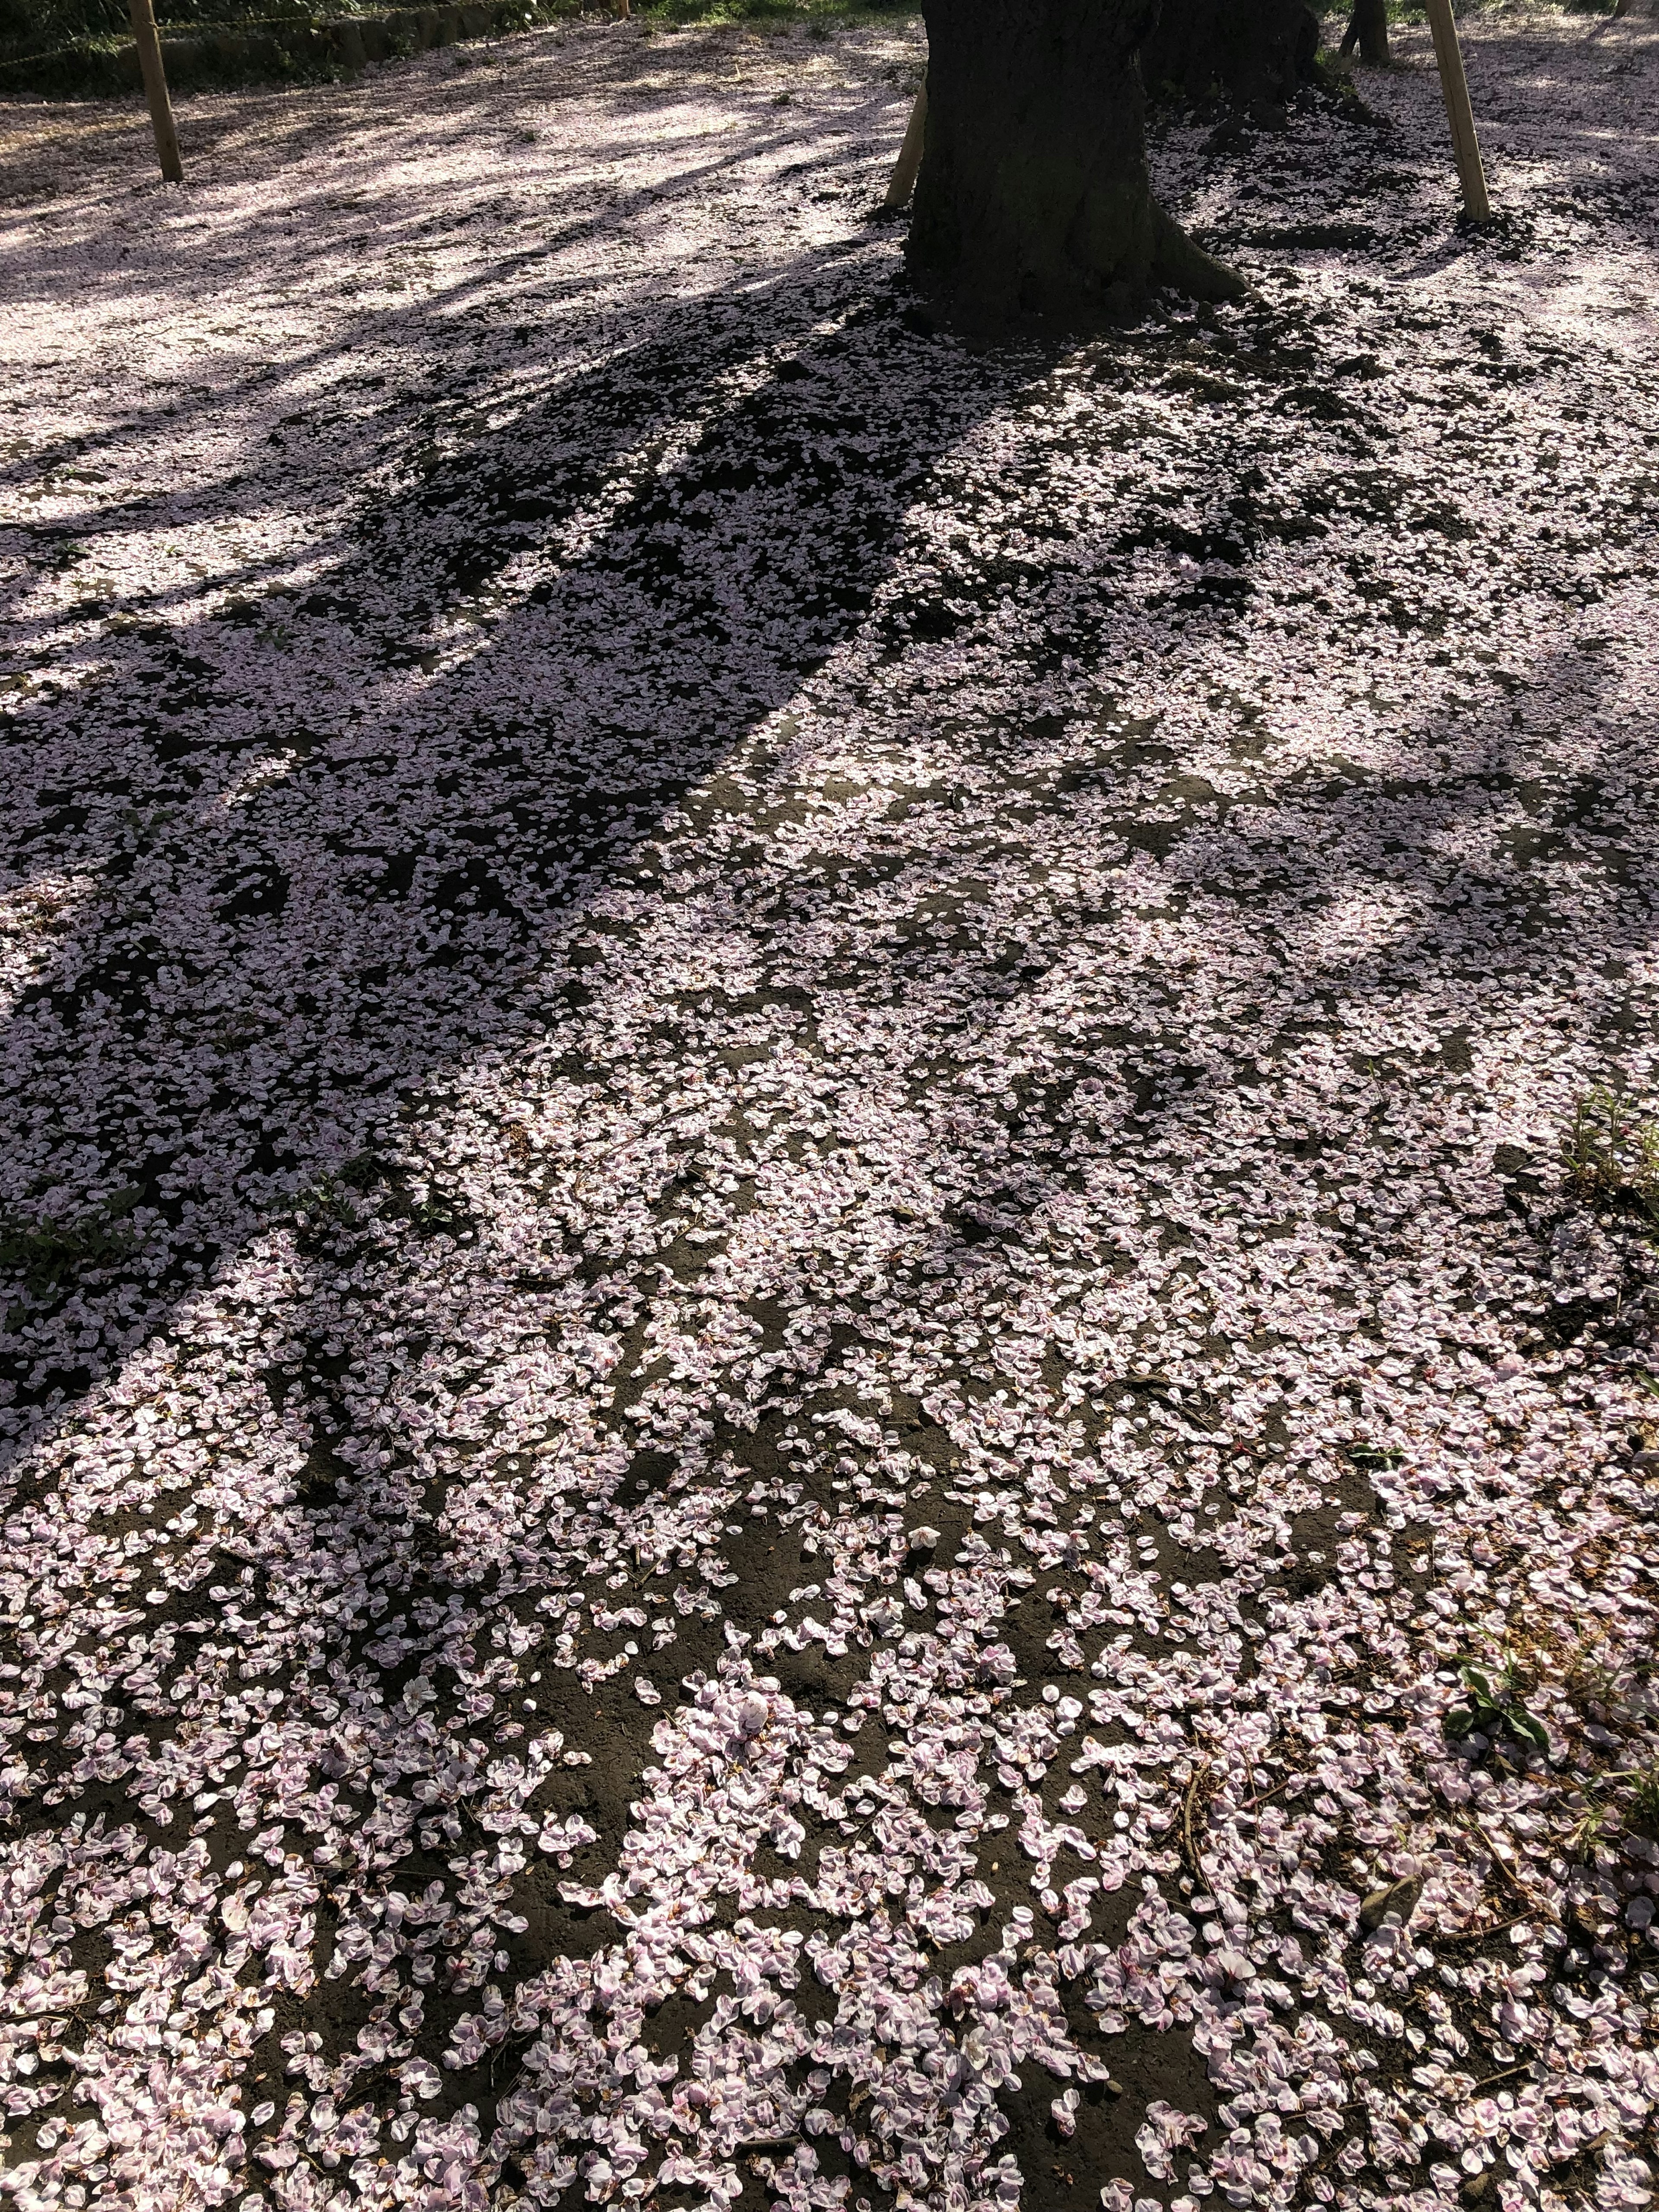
[1369,31]
[1236,50]
[1034,196]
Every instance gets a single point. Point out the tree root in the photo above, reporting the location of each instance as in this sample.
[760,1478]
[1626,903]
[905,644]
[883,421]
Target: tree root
[1187,268]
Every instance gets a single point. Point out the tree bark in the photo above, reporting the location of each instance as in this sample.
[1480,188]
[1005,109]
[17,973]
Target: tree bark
[1033,197]
[1368,29]
[1236,50]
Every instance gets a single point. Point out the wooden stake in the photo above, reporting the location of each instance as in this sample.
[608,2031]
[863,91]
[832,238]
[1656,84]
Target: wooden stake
[156,89]
[1466,147]
[903,182]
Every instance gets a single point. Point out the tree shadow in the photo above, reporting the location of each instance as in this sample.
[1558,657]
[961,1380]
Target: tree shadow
[351,825]
[327,847]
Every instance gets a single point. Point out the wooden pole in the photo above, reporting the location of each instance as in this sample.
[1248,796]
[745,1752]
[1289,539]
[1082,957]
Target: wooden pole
[1466,147]
[903,182]
[156,89]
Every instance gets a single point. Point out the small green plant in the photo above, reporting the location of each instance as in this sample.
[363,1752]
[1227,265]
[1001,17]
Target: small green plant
[47,1255]
[1641,1813]
[1492,1705]
[1585,1835]
[435,1212]
[1611,1155]
[326,1201]
[323,1211]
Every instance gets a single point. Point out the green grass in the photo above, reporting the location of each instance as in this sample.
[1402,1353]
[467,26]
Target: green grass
[31,27]
[69,50]
[79,48]
[38,26]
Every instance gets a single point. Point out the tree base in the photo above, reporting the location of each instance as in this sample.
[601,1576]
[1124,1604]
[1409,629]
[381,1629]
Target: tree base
[1033,203]
[1171,261]
[1233,50]
[1185,267]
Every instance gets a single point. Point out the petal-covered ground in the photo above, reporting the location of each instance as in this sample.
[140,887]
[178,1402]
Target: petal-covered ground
[828,1341]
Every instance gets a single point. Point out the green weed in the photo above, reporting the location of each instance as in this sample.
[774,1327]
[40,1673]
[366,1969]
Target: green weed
[1611,1155]
[44,1255]
[1584,1837]
[1492,1705]
[326,1201]
[324,1213]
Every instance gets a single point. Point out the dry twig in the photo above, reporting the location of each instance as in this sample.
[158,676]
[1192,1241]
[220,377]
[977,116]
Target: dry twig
[1189,1806]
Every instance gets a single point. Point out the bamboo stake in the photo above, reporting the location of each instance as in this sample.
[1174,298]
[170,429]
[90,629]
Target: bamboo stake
[155,88]
[903,182]
[1466,147]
